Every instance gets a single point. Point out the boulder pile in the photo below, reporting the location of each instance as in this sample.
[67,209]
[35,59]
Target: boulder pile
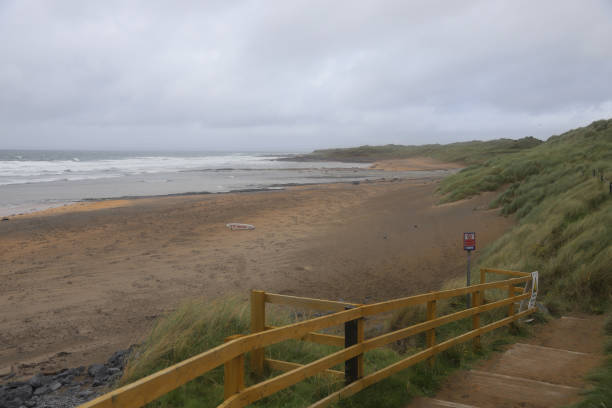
[66,388]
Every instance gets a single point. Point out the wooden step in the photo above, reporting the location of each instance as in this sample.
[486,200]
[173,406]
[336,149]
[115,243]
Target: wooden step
[544,371]
[436,403]
[543,364]
[571,333]
[491,390]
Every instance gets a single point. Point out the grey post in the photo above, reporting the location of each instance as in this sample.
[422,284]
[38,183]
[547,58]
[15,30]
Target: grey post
[469,295]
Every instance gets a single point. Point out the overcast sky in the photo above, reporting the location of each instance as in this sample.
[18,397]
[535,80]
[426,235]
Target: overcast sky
[297,75]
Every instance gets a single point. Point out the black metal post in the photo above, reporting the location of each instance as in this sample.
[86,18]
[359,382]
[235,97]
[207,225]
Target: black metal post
[351,366]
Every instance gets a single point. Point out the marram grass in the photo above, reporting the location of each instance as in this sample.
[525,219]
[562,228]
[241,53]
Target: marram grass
[564,214]
[197,326]
[462,152]
[564,231]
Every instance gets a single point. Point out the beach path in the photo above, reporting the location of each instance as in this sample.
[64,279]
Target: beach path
[544,371]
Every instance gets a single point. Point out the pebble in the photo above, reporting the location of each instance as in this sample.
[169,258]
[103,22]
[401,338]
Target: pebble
[55,386]
[97,370]
[85,394]
[36,381]
[14,403]
[24,392]
[42,390]
[67,380]
[67,388]
[114,370]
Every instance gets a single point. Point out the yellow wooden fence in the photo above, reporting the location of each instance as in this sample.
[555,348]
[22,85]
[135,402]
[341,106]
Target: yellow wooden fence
[231,354]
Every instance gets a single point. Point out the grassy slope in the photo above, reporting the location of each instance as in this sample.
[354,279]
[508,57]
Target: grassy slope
[463,152]
[564,230]
[564,214]
[198,326]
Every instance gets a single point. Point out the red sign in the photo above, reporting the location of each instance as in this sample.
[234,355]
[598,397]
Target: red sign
[469,241]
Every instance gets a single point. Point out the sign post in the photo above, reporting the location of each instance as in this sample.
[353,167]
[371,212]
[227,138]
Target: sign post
[469,245]
[534,289]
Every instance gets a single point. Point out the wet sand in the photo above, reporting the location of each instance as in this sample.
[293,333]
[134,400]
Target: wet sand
[80,282]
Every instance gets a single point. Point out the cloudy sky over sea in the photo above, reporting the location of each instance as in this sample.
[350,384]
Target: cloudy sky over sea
[297,75]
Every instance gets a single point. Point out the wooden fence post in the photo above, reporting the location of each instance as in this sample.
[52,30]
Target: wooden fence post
[258,324]
[483,279]
[511,305]
[233,373]
[476,319]
[512,325]
[431,333]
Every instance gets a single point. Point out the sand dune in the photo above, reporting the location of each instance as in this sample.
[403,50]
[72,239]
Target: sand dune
[414,164]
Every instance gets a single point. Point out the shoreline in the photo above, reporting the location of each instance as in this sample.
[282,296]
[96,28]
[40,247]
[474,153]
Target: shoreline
[55,183]
[384,167]
[86,201]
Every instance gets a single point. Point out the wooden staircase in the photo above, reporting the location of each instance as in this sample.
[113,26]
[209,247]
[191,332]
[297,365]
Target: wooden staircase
[545,371]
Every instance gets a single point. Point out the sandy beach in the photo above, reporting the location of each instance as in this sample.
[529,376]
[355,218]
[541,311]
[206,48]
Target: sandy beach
[83,281]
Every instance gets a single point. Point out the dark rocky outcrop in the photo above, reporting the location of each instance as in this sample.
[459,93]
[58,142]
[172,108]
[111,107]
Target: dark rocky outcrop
[68,388]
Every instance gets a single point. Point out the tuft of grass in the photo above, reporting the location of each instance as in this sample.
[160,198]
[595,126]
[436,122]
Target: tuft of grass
[197,326]
[193,328]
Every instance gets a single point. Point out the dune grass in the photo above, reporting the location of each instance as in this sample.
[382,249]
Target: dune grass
[198,326]
[564,230]
[564,214]
[461,152]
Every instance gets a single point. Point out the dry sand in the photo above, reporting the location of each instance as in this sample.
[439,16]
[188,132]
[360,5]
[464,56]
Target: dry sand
[78,283]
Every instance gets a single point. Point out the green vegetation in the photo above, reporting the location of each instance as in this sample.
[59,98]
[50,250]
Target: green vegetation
[198,326]
[564,214]
[463,152]
[601,395]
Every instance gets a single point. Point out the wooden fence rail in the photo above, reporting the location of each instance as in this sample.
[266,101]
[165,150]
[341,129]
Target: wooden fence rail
[231,354]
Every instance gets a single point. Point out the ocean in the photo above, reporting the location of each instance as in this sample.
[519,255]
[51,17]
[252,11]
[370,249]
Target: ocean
[32,180]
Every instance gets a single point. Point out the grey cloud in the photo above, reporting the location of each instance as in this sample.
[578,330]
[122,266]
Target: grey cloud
[300,74]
